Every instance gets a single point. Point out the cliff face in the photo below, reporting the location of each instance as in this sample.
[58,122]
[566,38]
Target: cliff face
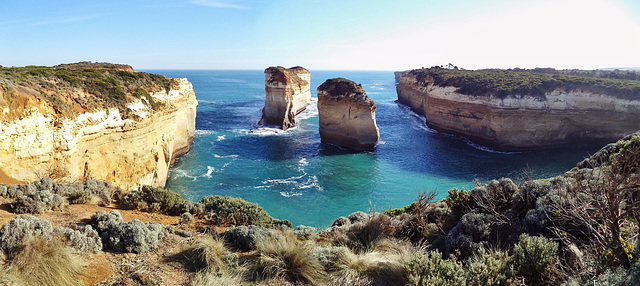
[288,92]
[561,117]
[129,145]
[347,115]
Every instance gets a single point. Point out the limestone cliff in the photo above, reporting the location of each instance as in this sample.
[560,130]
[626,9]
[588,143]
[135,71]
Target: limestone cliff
[288,92]
[75,124]
[347,115]
[521,112]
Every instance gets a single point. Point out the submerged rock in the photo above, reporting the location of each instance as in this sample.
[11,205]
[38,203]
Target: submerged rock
[288,92]
[347,115]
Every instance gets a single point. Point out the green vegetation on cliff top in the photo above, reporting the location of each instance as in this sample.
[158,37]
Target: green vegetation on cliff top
[107,85]
[535,82]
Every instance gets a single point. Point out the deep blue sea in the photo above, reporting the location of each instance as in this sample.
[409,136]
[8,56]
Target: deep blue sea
[293,176]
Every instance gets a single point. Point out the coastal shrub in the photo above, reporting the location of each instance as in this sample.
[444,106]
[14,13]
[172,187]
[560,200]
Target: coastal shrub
[38,202]
[134,236]
[534,258]
[305,232]
[3,190]
[424,222]
[287,259]
[18,230]
[209,254]
[495,196]
[245,238]
[236,211]
[153,199]
[186,218]
[489,268]
[103,191]
[84,239]
[44,261]
[469,235]
[196,209]
[431,269]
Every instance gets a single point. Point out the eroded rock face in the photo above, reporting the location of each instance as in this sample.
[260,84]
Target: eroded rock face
[347,115]
[522,122]
[128,146]
[288,92]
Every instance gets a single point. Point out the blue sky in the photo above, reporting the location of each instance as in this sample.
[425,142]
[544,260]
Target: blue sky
[348,34]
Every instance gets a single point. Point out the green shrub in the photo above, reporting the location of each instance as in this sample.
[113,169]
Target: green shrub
[430,269]
[534,258]
[153,200]
[490,268]
[236,211]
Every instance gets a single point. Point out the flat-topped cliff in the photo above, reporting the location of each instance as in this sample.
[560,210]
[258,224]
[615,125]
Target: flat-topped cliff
[288,92]
[76,123]
[347,115]
[522,110]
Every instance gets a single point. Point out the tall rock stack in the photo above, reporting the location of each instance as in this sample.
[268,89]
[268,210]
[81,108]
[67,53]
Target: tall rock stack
[288,92]
[347,115]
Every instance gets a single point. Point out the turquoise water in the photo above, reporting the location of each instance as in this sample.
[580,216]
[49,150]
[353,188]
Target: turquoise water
[292,176]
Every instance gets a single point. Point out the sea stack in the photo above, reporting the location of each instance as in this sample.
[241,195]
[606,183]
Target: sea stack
[347,115]
[288,92]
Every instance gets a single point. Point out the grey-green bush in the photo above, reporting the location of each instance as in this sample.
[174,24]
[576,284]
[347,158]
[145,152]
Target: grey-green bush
[38,202]
[430,269]
[534,258]
[134,236]
[85,239]
[245,237]
[14,233]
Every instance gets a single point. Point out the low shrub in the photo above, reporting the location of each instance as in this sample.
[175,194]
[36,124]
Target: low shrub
[153,200]
[38,202]
[134,236]
[489,268]
[236,211]
[430,269]
[14,233]
[245,238]
[85,239]
[534,258]
[186,218]
[469,235]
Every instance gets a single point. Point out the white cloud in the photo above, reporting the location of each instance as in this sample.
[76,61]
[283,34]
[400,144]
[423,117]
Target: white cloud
[219,4]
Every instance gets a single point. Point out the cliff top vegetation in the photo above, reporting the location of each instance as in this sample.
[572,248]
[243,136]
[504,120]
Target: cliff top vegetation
[81,86]
[532,82]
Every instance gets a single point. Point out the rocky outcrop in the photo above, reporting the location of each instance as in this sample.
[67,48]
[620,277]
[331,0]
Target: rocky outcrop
[560,116]
[347,115]
[288,92]
[129,144]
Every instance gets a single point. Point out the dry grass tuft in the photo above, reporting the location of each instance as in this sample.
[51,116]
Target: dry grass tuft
[289,259]
[209,254]
[42,261]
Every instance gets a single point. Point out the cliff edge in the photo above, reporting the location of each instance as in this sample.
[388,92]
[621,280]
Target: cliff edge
[77,122]
[288,92]
[522,110]
[347,115]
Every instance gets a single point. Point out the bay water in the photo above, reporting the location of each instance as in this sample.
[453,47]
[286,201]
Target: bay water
[295,177]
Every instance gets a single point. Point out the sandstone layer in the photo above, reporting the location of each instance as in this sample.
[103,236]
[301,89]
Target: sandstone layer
[556,118]
[128,145]
[347,115]
[288,92]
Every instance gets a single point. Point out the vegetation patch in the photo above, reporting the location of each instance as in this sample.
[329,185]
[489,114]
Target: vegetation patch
[521,82]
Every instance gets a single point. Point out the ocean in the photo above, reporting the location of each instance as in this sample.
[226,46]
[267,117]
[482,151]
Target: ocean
[295,177]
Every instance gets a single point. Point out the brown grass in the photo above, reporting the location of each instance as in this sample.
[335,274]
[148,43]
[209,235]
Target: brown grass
[45,262]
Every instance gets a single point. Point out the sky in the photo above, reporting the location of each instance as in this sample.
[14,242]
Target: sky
[323,34]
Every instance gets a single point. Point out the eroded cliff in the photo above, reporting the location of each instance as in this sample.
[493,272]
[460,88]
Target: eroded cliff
[109,124]
[288,92]
[518,112]
[347,116]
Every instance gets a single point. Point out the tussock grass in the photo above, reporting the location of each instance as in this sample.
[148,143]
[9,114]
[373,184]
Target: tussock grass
[43,262]
[288,259]
[208,278]
[208,254]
